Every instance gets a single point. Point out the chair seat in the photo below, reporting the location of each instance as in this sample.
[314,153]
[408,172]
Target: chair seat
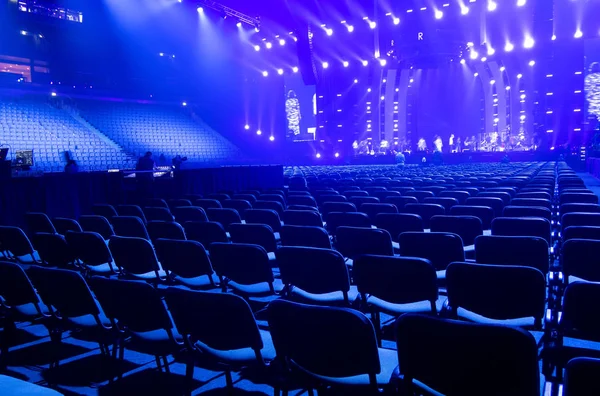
[325,298]
[28,259]
[105,268]
[469,248]
[474,317]
[271,256]
[257,288]
[487,232]
[156,342]
[397,309]
[89,321]
[30,311]
[149,275]
[244,355]
[12,387]
[441,274]
[200,282]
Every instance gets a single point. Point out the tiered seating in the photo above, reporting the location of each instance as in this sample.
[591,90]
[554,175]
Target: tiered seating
[166,130]
[34,124]
[476,289]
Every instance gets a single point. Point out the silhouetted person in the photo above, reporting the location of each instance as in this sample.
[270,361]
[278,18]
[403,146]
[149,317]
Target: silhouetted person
[71,167]
[146,176]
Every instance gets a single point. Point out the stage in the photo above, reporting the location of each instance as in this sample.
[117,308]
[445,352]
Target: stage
[458,158]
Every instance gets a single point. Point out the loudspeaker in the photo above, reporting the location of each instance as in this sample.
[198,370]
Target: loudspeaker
[306,58]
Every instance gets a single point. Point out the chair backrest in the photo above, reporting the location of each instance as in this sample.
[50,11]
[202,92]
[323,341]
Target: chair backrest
[272,198]
[461,196]
[527,211]
[324,341]
[254,234]
[302,218]
[304,200]
[401,201]
[504,196]
[496,204]
[581,232]
[129,226]
[187,259]
[156,203]
[512,250]
[89,247]
[397,223]
[476,287]
[39,222]
[426,211]
[397,280]
[354,241]
[467,227]
[64,290]
[276,206]
[579,207]
[268,217]
[175,203]
[15,287]
[189,213]
[484,213]
[373,209]
[534,194]
[580,311]
[104,210]
[166,230]
[14,240]
[580,219]
[579,258]
[581,377]
[420,195]
[63,225]
[53,249]
[578,198]
[241,263]
[358,201]
[208,204]
[339,207]
[225,216]
[219,196]
[460,358]
[205,232]
[446,202]
[245,197]
[232,323]
[313,270]
[134,255]
[322,199]
[348,219]
[136,306]
[97,224]
[131,210]
[523,226]
[308,236]
[531,202]
[440,248]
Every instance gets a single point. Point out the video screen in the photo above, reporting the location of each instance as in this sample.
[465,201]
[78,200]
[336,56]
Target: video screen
[300,110]
[24,158]
[592,81]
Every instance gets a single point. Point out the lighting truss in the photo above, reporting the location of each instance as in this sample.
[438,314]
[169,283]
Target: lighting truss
[230,12]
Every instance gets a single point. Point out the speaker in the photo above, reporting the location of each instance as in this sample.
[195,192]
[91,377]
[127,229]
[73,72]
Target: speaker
[306,58]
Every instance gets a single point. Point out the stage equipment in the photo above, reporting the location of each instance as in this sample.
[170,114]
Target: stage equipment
[230,12]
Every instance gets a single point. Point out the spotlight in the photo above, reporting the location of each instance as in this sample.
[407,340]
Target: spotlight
[519,76]
[529,42]
[336,155]
[184,104]
[476,74]
[396,21]
[509,47]
[492,5]
[382,62]
[200,10]
[491,51]
[439,14]
[268,45]
[578,34]
[281,42]
[553,37]
[523,117]
[179,1]
[295,69]
[368,89]
[365,63]
[257,48]
[382,97]
[280,71]
[372,25]
[531,63]
[508,87]
[492,82]
[411,81]
[318,155]
[265,73]
[470,44]
[502,68]
[257,29]
[259,132]
[329,32]
[239,24]
[474,54]
[355,81]
[246,127]
[521,3]
[272,138]
[464,10]
[484,59]
[350,28]
[345,63]
[462,61]
[53,94]
[325,65]
[523,96]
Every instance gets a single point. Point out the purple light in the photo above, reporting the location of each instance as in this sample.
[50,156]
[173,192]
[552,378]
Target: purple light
[272,138]
[318,155]
[337,155]
[259,132]
[246,127]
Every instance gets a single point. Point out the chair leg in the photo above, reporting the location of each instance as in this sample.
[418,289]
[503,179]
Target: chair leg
[377,324]
[166,364]
[158,365]
[229,381]
[189,373]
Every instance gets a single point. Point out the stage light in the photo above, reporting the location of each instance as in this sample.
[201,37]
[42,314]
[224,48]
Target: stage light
[470,44]
[492,5]
[372,24]
[329,32]
[484,59]
[382,97]
[295,69]
[272,138]
[396,21]
[265,73]
[464,10]
[462,61]
[336,155]
[280,71]
[474,54]
[502,68]
[411,81]
[553,37]
[281,42]
[509,47]
[439,14]
[325,65]
[257,29]
[382,62]
[496,120]
[346,63]
[200,10]
[355,81]
[259,132]
[523,117]
[521,3]
[529,42]
[491,51]
[531,63]
[519,76]
[476,74]
[508,87]
[53,94]
[365,63]
[318,155]
[161,54]
[350,28]
[257,48]
[578,34]
[523,96]
[184,104]
[246,127]
[368,89]
[179,1]
[239,24]
[492,82]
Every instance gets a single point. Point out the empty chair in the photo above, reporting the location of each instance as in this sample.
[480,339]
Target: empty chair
[340,207]
[15,245]
[53,250]
[224,216]
[156,203]
[104,210]
[466,357]
[420,195]
[440,248]
[401,201]
[496,204]
[373,209]
[175,203]
[358,201]
[483,213]
[239,205]
[189,213]
[272,198]
[527,211]
[531,202]
[136,258]
[397,223]
[244,268]
[579,207]
[467,227]
[308,236]
[581,232]
[91,251]
[318,276]
[426,211]
[264,216]
[511,191]
[232,339]
[321,200]
[473,291]
[356,193]
[334,346]
[513,250]
[396,285]
[504,196]
[205,232]
[208,204]
[460,196]
[446,202]
[254,234]
[348,219]
[131,210]
[278,207]
[523,226]
[245,197]
[535,194]
[304,200]
[129,226]
[98,224]
[580,219]
[64,225]
[158,214]
[186,262]
[166,230]
[579,260]
[565,198]
[581,377]
[382,195]
[302,218]
[353,242]
[39,222]
[302,207]
[219,197]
